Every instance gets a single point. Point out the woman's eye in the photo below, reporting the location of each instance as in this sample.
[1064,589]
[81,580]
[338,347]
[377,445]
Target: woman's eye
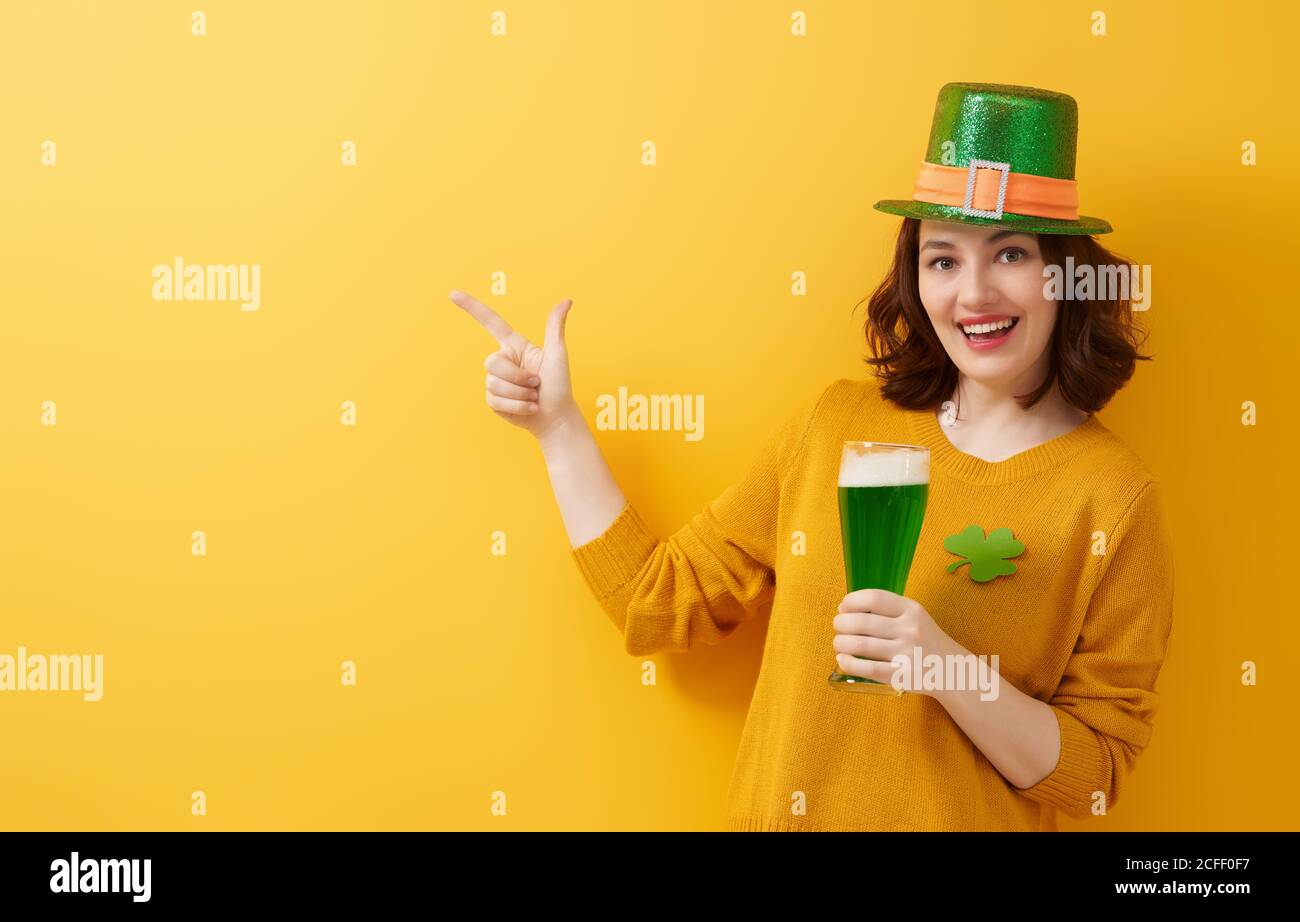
[1009,255]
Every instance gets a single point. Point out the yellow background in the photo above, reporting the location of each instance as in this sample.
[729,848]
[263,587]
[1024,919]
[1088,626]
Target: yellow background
[521,154]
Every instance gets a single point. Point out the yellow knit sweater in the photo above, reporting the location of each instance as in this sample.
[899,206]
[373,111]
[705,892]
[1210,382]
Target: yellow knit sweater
[1082,624]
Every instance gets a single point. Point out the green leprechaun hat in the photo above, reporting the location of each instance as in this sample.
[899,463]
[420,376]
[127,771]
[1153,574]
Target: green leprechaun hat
[1001,155]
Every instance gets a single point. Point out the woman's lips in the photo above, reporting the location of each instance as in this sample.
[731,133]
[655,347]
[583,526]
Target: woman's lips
[994,343]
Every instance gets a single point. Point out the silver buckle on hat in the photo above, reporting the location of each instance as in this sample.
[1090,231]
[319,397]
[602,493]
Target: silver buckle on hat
[966,208]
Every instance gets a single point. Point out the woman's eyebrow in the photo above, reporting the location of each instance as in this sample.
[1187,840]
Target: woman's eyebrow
[945,245]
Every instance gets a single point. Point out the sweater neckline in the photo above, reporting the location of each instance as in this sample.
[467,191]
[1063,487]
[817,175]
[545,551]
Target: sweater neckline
[925,428]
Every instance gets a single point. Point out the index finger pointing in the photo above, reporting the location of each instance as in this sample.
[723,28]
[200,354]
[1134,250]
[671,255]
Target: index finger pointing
[494,322]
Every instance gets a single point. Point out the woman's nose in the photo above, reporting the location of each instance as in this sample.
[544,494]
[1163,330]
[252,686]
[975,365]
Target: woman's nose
[975,290]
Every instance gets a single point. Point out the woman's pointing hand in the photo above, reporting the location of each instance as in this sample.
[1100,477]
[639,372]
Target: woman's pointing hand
[526,385]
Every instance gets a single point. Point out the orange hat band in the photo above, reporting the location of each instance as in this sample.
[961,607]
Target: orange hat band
[987,189]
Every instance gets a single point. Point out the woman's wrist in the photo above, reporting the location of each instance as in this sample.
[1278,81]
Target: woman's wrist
[566,430]
[950,652]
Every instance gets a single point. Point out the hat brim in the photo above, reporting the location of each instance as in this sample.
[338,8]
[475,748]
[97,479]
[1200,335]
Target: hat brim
[927,211]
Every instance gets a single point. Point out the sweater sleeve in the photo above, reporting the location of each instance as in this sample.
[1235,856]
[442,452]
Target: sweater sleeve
[714,572]
[1106,699]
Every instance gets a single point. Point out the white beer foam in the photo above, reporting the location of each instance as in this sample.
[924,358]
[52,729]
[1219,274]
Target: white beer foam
[884,468]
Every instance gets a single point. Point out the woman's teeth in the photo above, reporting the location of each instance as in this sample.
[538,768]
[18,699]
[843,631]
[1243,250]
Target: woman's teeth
[983,331]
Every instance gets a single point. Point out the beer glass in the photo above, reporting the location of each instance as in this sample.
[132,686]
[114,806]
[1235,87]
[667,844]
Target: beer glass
[882,492]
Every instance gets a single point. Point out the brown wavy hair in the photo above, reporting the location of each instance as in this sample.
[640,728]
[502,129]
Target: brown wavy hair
[1093,346]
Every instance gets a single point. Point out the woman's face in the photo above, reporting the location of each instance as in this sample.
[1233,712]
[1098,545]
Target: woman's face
[987,275]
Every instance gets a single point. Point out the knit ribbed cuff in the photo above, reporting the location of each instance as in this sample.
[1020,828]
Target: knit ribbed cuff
[609,561]
[1078,771]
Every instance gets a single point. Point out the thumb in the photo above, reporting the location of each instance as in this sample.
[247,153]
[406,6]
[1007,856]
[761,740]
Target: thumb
[555,325]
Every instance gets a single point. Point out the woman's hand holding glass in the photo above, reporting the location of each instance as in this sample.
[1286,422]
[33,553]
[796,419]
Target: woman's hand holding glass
[881,626]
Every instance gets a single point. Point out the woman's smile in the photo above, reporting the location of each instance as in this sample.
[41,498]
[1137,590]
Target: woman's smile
[988,331]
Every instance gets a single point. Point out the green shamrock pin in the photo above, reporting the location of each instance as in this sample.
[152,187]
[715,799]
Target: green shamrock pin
[986,556]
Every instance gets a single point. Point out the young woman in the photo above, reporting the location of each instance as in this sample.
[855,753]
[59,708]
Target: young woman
[999,375]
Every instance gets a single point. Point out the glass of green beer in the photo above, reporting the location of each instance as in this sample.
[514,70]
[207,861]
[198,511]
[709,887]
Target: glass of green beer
[882,492]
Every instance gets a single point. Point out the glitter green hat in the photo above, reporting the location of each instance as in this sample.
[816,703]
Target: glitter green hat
[1001,155]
